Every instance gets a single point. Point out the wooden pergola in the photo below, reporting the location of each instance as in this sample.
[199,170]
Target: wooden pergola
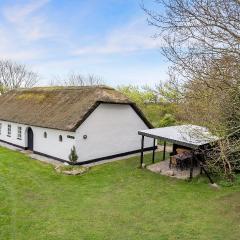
[190,136]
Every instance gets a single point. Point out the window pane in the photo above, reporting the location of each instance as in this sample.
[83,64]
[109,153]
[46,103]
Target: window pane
[9,129]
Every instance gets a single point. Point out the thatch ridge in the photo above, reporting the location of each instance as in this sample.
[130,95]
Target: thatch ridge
[63,108]
[55,88]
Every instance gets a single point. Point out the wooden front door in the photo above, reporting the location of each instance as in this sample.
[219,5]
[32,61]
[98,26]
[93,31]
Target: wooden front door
[30,139]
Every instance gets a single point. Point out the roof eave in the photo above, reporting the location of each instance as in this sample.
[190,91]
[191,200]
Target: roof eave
[96,104]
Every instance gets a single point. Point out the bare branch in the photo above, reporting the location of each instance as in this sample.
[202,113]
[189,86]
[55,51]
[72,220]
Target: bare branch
[14,75]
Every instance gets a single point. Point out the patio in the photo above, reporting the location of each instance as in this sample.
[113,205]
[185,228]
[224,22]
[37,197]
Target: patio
[162,168]
[187,156]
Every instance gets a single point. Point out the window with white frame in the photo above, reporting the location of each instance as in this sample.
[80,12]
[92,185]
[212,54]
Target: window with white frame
[19,133]
[9,130]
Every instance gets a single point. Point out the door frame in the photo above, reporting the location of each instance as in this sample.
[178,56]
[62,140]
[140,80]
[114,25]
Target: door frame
[30,146]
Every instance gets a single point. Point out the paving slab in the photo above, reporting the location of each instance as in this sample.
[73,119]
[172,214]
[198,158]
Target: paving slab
[163,169]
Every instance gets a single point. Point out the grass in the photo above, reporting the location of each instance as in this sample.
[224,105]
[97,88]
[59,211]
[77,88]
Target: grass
[112,201]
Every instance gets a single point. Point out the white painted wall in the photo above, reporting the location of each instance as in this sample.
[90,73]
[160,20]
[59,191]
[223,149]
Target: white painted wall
[50,145]
[13,139]
[111,129]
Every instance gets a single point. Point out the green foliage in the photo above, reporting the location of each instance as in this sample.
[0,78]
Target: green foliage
[73,157]
[168,92]
[137,95]
[159,110]
[167,120]
[226,183]
[114,201]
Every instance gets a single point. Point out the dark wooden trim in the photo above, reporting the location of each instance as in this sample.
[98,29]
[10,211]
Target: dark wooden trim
[141,115]
[114,156]
[96,159]
[191,169]
[142,150]
[94,106]
[164,150]
[85,162]
[153,153]
[49,156]
[207,174]
[15,145]
[87,114]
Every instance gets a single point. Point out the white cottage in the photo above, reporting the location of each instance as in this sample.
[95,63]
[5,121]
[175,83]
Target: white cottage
[99,121]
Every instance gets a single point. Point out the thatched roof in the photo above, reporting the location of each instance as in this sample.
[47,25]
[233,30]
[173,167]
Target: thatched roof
[63,108]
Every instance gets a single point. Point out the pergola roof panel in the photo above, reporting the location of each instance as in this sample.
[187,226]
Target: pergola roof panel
[191,136]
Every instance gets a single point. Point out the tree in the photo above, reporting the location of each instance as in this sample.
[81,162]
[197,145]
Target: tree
[169,91]
[196,33]
[14,75]
[167,120]
[152,103]
[139,95]
[202,40]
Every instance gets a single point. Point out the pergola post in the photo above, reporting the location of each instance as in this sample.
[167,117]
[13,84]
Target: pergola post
[164,150]
[207,174]
[191,167]
[153,153]
[142,148]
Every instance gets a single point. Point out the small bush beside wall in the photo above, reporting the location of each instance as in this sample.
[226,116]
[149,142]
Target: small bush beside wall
[73,157]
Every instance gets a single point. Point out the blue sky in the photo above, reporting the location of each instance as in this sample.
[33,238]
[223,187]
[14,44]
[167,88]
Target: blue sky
[108,38]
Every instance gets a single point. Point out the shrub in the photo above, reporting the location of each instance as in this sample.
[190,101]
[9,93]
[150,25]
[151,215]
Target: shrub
[73,157]
[167,120]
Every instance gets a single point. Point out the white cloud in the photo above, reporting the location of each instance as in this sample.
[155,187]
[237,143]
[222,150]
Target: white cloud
[18,12]
[11,47]
[112,72]
[135,36]
[24,24]
[26,20]
[31,36]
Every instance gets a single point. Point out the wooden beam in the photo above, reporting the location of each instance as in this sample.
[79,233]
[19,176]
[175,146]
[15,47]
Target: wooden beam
[164,150]
[142,148]
[191,167]
[207,174]
[153,153]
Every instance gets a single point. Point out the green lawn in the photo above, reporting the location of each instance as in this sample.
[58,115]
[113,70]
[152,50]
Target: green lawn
[112,201]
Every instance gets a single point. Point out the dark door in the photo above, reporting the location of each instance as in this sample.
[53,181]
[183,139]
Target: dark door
[30,139]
